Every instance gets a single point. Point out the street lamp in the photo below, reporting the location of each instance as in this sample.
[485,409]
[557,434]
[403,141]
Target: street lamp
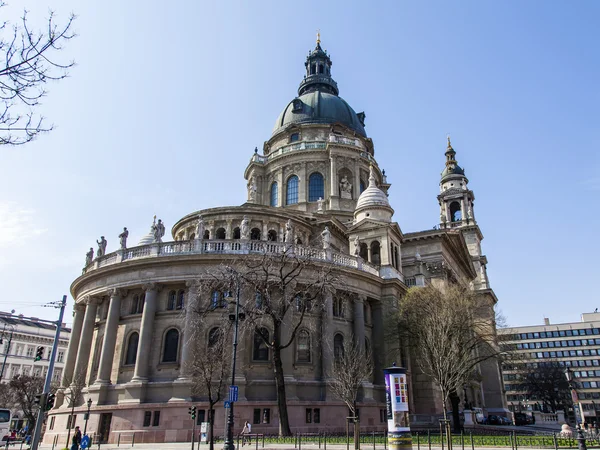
[235,318]
[578,409]
[87,415]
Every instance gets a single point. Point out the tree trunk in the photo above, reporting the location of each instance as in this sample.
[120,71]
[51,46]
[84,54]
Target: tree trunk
[211,426]
[455,401]
[284,424]
[69,432]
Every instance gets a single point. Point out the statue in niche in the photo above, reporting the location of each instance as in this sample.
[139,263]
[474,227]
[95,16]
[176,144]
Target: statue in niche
[101,247]
[200,228]
[245,228]
[356,246]
[251,190]
[326,236]
[345,188]
[470,211]
[320,204]
[158,230]
[89,257]
[123,238]
[289,232]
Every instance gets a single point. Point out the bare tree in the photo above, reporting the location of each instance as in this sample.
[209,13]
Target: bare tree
[29,64]
[449,332]
[278,292]
[25,388]
[351,367]
[73,393]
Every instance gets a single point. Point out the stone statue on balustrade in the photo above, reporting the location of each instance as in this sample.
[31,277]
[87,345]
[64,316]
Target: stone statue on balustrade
[320,204]
[251,190]
[123,238]
[158,230]
[356,246]
[89,257]
[245,228]
[326,237]
[345,188]
[101,247]
[289,233]
[200,228]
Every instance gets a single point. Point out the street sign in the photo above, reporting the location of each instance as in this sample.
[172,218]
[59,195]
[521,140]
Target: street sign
[233,393]
[85,442]
[227,404]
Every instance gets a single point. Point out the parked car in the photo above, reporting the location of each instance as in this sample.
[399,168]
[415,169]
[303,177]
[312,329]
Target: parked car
[494,420]
[523,419]
[505,421]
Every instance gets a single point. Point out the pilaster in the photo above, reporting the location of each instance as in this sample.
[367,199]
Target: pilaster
[146,330]
[78,314]
[85,342]
[110,336]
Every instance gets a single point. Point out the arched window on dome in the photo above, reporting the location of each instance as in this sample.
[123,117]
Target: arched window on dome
[171,301]
[274,194]
[316,187]
[291,195]
[236,233]
[272,236]
[321,68]
[255,234]
[313,69]
[303,347]
[171,346]
[375,253]
[338,347]
[220,233]
[206,234]
[260,350]
[192,236]
[364,251]
[132,347]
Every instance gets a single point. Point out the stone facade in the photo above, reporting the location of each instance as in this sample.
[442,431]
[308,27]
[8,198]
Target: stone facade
[317,170]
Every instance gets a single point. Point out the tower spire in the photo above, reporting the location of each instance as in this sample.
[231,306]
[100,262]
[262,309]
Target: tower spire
[318,37]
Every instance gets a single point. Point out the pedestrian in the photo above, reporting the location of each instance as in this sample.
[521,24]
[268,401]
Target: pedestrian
[246,432]
[76,439]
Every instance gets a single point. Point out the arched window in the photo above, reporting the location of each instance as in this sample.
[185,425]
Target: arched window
[455,212]
[291,195]
[171,301]
[171,346]
[137,303]
[313,69]
[192,236]
[180,299]
[364,251]
[214,336]
[255,234]
[132,346]
[396,254]
[375,258]
[316,187]
[220,233]
[215,299]
[274,193]
[298,241]
[338,307]
[206,234]
[260,349]
[236,233]
[303,346]
[321,68]
[362,186]
[272,236]
[258,300]
[338,346]
[392,255]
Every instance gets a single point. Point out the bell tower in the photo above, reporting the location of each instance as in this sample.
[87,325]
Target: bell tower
[455,198]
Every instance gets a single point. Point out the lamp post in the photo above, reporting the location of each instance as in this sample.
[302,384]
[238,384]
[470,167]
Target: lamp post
[10,336]
[87,415]
[578,410]
[235,317]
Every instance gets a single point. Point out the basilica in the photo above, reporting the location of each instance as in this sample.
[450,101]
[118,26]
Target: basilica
[315,187]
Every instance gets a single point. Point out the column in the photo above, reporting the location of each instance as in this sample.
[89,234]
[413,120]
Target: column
[229,229]
[356,187]
[302,184]
[110,336]
[281,188]
[85,341]
[187,338]
[146,330]
[78,313]
[463,210]
[326,341]
[359,321]
[378,342]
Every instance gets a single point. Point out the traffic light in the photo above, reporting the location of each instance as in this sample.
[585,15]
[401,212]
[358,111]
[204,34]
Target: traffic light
[39,354]
[50,401]
[192,412]
[40,400]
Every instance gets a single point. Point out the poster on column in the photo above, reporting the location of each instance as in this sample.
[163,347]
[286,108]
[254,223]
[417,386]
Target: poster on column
[396,393]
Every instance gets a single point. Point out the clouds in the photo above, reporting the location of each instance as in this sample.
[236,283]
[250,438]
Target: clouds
[18,225]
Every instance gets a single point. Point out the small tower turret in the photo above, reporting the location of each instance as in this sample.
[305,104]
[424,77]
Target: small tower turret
[318,72]
[455,199]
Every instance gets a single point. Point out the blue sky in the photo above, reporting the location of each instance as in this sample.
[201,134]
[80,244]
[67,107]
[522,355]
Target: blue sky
[169,99]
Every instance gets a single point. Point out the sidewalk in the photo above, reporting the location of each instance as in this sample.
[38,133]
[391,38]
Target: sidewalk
[219,446]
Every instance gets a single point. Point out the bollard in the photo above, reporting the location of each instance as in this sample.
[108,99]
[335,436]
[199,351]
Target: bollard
[462,440]
[133,439]
[256,438]
[472,443]
[555,441]
[418,441]
[324,442]
[429,438]
[263,436]
[516,440]
[373,440]
[119,440]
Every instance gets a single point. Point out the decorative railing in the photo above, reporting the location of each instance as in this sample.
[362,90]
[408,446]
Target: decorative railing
[231,247]
[354,142]
[296,146]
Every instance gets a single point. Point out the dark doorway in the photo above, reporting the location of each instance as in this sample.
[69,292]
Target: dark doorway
[104,428]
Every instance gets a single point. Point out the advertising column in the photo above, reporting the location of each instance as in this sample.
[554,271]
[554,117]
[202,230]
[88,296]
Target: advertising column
[396,396]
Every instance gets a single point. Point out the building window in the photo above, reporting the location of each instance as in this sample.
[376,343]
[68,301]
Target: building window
[30,352]
[206,234]
[261,351]
[338,347]
[362,186]
[180,298]
[217,300]
[313,415]
[274,194]
[375,251]
[382,415]
[308,415]
[60,357]
[258,300]
[316,187]
[292,191]
[71,419]
[338,307]
[266,416]
[272,236]
[171,346]
[52,422]
[171,301]
[256,416]
[296,136]
[137,303]
[147,418]
[220,233]
[214,336]
[255,234]
[303,346]
[132,346]
[156,419]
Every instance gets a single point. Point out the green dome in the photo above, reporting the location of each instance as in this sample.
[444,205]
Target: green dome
[319,107]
